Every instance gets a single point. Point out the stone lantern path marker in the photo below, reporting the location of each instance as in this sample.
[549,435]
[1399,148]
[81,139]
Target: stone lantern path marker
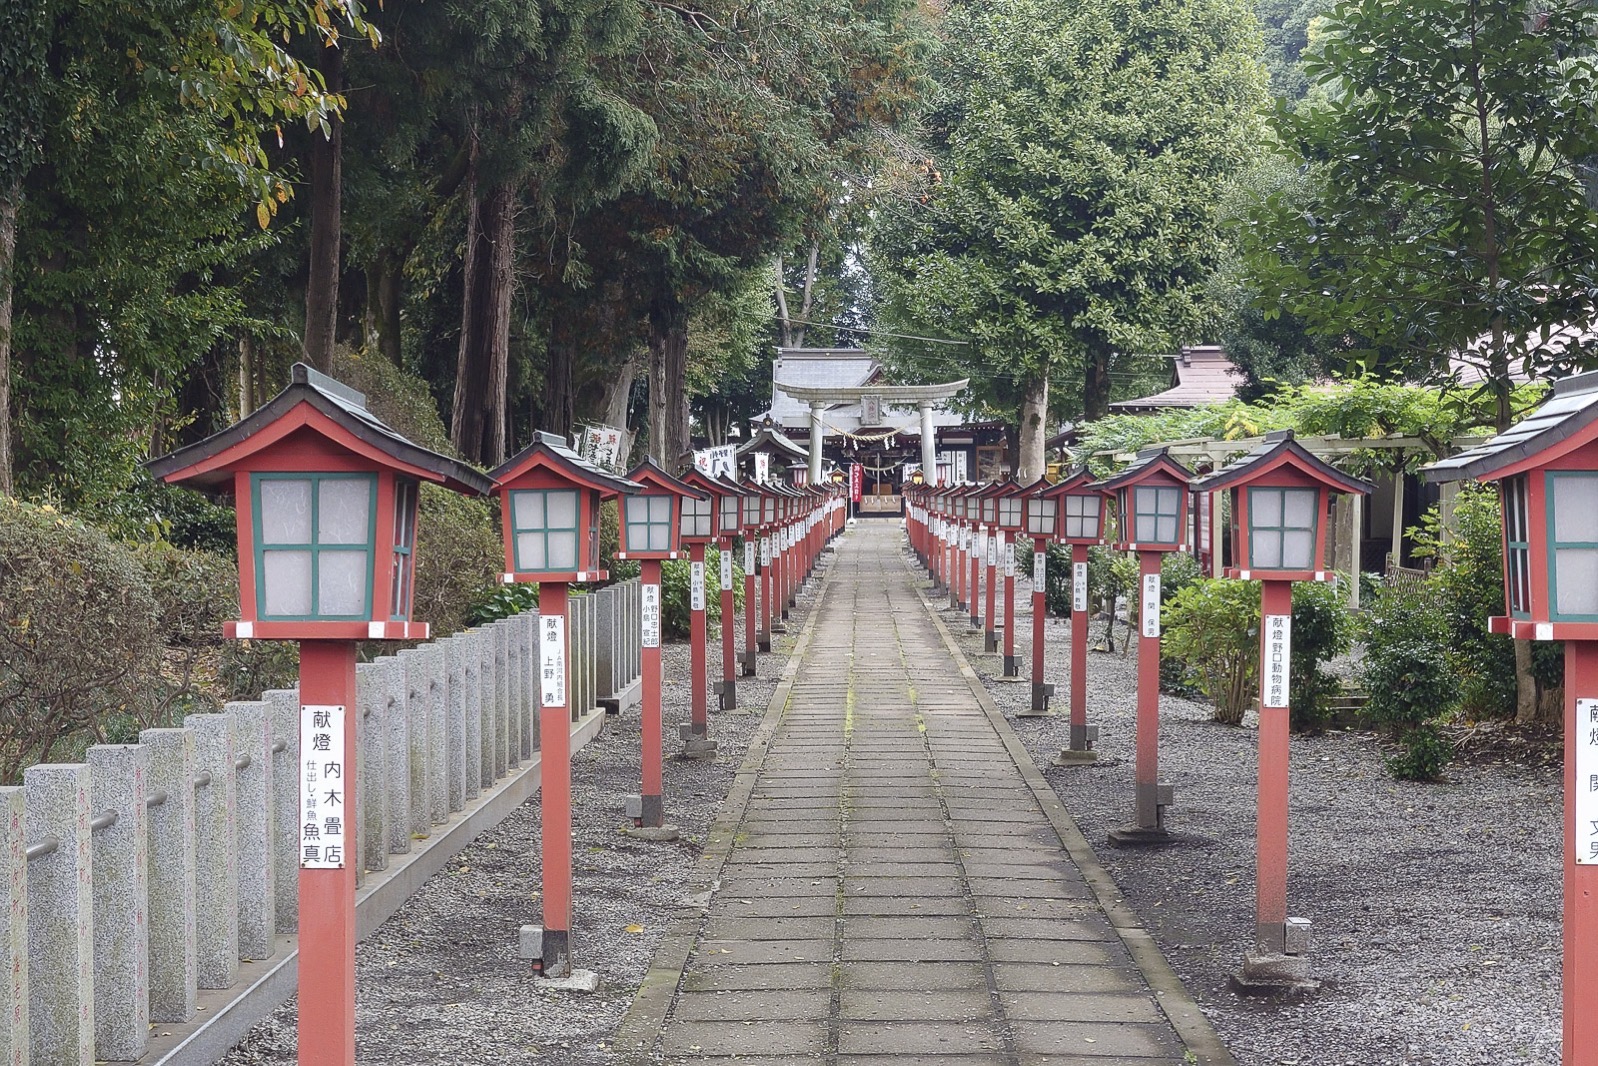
[892,879]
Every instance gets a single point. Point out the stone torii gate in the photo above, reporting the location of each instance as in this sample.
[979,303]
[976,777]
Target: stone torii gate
[923,396]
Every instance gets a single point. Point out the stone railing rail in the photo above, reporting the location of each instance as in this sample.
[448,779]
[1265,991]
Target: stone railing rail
[134,882]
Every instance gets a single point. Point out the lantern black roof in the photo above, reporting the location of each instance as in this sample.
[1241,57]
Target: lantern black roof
[1569,409]
[553,450]
[345,407]
[1147,460]
[1280,448]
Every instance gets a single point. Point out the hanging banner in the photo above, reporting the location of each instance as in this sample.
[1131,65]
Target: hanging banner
[552,660]
[762,467]
[857,480]
[696,585]
[1276,638]
[601,445]
[1079,587]
[720,461]
[1151,605]
[322,808]
[650,615]
[1586,740]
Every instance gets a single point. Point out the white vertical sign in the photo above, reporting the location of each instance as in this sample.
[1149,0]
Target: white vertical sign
[1277,644]
[323,812]
[1040,570]
[1079,588]
[1151,605]
[552,660]
[762,467]
[696,585]
[1009,559]
[765,552]
[993,548]
[1586,741]
[749,555]
[649,616]
[726,570]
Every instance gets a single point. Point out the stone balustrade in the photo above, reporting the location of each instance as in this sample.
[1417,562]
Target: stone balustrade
[133,881]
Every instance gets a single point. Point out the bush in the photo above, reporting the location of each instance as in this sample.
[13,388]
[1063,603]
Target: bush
[1323,628]
[502,601]
[149,511]
[79,622]
[1212,626]
[459,555]
[1409,676]
[675,606]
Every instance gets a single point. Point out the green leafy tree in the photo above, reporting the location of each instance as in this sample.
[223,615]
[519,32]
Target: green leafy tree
[1068,210]
[1447,219]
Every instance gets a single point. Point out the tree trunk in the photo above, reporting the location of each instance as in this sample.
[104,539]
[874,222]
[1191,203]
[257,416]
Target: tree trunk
[10,201]
[668,392]
[560,394]
[615,403]
[1034,431]
[327,194]
[482,367]
[1096,382]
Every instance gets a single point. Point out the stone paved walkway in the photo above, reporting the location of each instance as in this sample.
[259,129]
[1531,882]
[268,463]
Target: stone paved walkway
[896,890]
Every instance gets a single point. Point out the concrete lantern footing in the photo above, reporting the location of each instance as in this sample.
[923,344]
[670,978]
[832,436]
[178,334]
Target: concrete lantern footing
[1270,974]
[659,834]
[1041,691]
[577,981]
[1076,757]
[1136,836]
[990,642]
[549,950]
[1012,666]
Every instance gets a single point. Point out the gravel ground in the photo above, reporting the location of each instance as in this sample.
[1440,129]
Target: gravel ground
[1436,907]
[440,982]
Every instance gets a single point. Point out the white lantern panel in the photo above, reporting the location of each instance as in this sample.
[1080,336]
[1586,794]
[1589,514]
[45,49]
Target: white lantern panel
[530,551]
[286,581]
[636,508]
[1266,549]
[1575,508]
[527,509]
[1298,508]
[561,509]
[1298,549]
[729,514]
[660,508]
[1265,508]
[286,512]
[660,538]
[341,578]
[1576,581]
[343,511]
[561,550]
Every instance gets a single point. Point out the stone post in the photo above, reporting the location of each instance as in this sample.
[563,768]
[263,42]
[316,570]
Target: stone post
[419,818]
[455,721]
[371,797]
[433,661]
[14,1049]
[285,718]
[493,739]
[505,644]
[174,965]
[465,651]
[392,692]
[121,860]
[60,917]
[216,881]
[534,657]
[253,820]
[505,758]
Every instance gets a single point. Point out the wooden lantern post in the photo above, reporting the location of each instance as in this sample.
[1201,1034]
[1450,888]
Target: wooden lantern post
[729,502]
[768,561]
[1281,508]
[549,500]
[651,522]
[1040,510]
[1152,501]
[1546,469]
[753,505]
[1010,520]
[1081,514]
[325,501]
[700,525]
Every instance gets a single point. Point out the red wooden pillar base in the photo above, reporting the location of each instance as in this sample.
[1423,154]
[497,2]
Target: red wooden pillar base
[1580,973]
[1012,667]
[763,640]
[729,631]
[652,807]
[1152,796]
[698,644]
[555,793]
[1041,691]
[974,599]
[990,615]
[1083,735]
[1277,960]
[327,897]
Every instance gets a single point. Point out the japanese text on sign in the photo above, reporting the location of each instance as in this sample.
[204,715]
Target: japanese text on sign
[1586,842]
[726,570]
[696,585]
[762,467]
[992,547]
[1079,587]
[765,552]
[650,615]
[552,660]
[1040,570]
[1151,605]
[323,814]
[1277,651]
[749,556]
[1009,559]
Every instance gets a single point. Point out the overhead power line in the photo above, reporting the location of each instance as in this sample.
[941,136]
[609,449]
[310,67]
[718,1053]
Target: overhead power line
[860,329]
